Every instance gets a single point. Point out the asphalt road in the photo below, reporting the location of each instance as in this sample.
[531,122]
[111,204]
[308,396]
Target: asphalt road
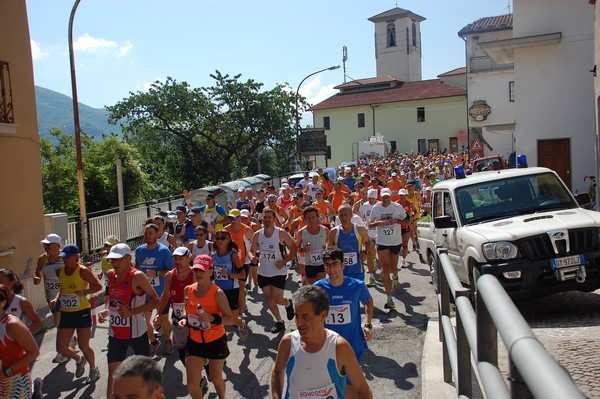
[392,365]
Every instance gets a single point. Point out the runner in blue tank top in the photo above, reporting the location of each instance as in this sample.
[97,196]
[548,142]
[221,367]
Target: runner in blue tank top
[353,240]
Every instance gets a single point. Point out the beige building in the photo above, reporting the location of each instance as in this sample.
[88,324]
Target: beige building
[22,225]
[411,116]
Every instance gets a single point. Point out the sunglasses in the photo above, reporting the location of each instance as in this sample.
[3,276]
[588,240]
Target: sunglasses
[221,238]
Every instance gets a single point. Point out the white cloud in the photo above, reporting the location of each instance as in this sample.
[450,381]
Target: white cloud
[147,85]
[314,91]
[89,44]
[123,50]
[36,51]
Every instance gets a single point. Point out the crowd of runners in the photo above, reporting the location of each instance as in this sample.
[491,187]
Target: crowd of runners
[180,289]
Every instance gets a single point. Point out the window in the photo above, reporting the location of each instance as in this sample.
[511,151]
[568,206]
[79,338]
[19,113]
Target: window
[361,120]
[421,114]
[511,91]
[6,104]
[391,34]
[326,123]
[414,34]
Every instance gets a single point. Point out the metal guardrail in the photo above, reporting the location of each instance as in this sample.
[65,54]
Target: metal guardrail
[533,371]
[487,64]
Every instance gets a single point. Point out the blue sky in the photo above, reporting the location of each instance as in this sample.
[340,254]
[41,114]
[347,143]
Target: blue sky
[125,45]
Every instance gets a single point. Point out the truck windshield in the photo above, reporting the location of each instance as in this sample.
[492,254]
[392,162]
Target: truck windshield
[512,196]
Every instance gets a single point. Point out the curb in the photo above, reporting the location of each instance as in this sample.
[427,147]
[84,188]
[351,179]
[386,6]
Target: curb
[432,374]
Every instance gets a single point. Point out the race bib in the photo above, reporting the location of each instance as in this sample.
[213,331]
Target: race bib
[322,218]
[387,231]
[219,275]
[154,281]
[327,392]
[52,285]
[115,319]
[350,259]
[316,256]
[178,310]
[267,255]
[69,301]
[338,315]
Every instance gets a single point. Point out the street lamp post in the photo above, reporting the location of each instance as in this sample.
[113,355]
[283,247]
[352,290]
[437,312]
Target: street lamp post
[80,181]
[298,111]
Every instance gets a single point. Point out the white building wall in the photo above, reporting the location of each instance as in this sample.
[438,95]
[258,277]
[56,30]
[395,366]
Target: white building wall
[493,88]
[396,122]
[554,88]
[395,61]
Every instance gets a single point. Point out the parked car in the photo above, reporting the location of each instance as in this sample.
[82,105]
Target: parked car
[521,225]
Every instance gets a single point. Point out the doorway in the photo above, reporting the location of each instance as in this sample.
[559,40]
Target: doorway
[556,155]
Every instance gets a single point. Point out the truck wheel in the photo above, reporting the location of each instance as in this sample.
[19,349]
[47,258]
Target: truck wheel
[433,270]
[475,274]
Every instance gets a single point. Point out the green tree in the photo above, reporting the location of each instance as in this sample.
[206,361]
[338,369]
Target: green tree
[193,137]
[59,173]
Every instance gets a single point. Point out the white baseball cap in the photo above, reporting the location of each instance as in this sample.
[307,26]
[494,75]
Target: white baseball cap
[386,191]
[51,239]
[181,251]
[118,251]
[372,193]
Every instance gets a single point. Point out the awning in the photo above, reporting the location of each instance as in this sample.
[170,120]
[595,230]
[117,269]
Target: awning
[502,51]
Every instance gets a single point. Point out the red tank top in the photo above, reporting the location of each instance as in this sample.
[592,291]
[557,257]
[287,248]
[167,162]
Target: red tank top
[123,295]
[10,351]
[177,291]
[286,203]
[209,304]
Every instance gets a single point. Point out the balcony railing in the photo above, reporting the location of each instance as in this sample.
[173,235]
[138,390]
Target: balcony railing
[486,64]
[6,102]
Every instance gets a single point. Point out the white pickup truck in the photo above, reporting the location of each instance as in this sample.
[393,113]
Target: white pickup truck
[521,225]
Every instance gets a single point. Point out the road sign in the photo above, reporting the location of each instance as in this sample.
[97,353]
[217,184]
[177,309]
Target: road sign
[313,142]
[476,146]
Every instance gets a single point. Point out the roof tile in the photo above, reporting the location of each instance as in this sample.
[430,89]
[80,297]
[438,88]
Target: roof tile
[488,24]
[404,91]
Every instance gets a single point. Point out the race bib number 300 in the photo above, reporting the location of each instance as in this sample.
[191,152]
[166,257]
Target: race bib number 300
[116,319]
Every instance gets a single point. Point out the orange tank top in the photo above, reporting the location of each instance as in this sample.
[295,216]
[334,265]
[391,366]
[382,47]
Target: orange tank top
[209,304]
[238,238]
[323,217]
[10,351]
[337,199]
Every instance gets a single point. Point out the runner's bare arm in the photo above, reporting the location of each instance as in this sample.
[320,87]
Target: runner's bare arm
[278,373]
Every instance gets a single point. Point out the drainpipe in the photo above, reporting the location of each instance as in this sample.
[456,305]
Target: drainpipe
[467,70]
[373,108]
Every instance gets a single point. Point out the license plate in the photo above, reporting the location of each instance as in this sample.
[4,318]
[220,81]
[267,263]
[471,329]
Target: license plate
[567,261]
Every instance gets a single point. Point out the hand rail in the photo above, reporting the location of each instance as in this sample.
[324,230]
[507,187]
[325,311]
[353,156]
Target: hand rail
[534,373]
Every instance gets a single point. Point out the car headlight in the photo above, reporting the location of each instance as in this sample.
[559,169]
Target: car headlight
[499,250]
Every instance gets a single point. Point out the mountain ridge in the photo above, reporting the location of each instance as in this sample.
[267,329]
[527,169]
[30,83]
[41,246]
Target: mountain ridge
[55,110]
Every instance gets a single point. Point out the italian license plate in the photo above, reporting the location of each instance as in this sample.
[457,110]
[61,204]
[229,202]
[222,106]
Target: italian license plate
[567,261]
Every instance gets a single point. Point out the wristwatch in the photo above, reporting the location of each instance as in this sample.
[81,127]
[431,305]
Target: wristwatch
[8,372]
[369,326]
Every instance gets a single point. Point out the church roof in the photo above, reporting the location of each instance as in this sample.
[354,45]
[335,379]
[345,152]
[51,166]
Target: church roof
[402,91]
[396,13]
[488,24]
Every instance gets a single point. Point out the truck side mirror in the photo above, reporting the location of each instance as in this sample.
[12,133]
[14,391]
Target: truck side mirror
[444,222]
